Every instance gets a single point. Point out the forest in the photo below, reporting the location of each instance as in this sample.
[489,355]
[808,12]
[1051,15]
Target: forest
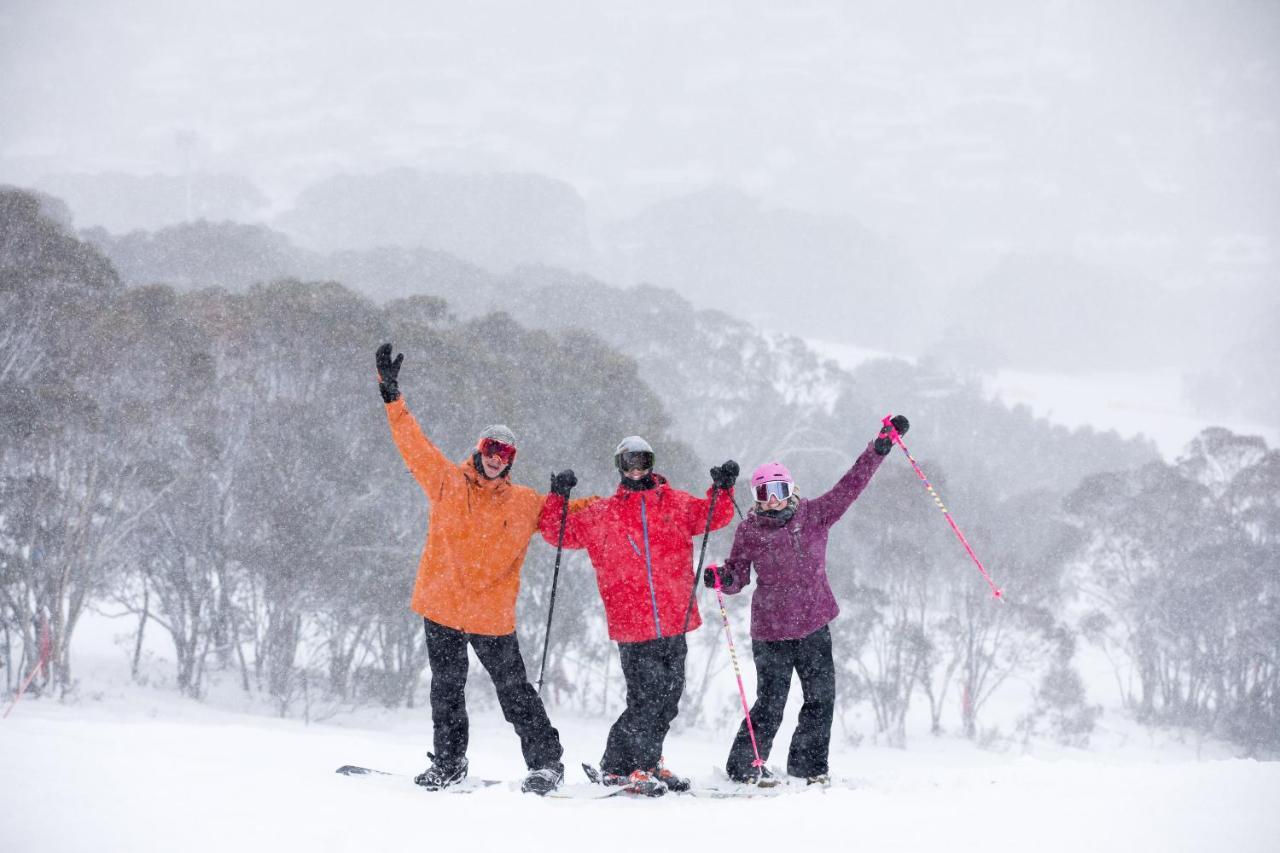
[209,460]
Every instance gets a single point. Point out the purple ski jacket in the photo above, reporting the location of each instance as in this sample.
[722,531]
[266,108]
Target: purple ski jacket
[793,597]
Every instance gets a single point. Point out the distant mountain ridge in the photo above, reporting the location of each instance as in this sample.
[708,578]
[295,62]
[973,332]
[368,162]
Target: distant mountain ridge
[495,221]
[791,270]
[121,202]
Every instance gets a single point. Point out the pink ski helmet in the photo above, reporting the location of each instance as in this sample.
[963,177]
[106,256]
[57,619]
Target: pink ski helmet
[771,472]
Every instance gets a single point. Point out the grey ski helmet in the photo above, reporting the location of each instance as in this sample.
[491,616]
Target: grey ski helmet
[498,432]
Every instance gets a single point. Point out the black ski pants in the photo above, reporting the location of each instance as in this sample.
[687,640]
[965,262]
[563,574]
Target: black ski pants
[654,671]
[810,658]
[521,705]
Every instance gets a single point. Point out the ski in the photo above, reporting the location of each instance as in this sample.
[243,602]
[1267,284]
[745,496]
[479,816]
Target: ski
[585,791]
[722,787]
[466,786]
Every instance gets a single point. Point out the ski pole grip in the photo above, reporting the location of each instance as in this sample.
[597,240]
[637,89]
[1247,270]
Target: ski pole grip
[715,573]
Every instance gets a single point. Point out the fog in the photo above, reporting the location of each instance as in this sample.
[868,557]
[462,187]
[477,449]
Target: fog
[1001,185]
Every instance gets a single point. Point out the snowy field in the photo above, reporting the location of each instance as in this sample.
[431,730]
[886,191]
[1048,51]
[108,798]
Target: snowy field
[131,768]
[1149,403]
[137,772]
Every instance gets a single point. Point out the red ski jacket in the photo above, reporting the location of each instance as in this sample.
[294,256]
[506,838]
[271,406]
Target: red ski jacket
[641,545]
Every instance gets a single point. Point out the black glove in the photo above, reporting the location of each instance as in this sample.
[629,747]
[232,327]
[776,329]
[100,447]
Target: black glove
[884,442]
[709,577]
[724,476]
[563,483]
[388,371]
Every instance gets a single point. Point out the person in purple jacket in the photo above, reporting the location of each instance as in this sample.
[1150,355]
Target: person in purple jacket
[785,538]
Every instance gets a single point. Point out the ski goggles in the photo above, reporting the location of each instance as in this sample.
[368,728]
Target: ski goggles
[635,460]
[493,447]
[780,489]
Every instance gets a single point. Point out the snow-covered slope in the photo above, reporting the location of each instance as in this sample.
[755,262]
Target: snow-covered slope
[1150,403]
[132,768]
[153,773]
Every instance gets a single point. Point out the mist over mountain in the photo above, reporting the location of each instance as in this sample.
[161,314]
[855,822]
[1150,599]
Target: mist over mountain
[202,254]
[121,202]
[818,276]
[1031,312]
[1243,379]
[727,384]
[821,275]
[493,220]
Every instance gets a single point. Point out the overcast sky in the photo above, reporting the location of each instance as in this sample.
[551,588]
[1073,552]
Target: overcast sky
[1138,133]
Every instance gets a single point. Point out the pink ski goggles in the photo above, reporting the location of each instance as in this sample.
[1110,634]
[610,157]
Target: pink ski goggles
[779,489]
[493,447]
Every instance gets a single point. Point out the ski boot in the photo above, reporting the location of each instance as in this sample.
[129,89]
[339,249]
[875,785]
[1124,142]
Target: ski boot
[441,774]
[638,782]
[672,781]
[544,780]
[761,777]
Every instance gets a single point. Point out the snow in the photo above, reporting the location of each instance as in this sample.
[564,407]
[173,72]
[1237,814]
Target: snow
[1149,402]
[137,768]
[1141,402]
[162,775]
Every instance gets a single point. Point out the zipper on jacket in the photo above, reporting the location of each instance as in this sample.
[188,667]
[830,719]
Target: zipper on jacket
[648,565]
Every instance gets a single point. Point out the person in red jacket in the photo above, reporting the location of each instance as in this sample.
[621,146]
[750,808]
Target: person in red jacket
[640,541]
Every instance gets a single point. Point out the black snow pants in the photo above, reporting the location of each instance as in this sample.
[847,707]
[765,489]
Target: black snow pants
[810,658]
[521,706]
[654,671]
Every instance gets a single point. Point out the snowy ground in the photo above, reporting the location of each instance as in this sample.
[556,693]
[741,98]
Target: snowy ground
[131,768]
[1149,403]
[143,773]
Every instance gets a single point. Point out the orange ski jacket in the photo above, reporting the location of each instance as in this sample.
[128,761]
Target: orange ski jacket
[477,535]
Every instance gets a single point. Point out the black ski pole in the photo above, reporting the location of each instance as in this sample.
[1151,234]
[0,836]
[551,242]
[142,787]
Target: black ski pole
[555,579]
[693,593]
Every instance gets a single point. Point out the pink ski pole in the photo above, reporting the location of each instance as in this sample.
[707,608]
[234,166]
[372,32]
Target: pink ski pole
[733,656]
[893,434]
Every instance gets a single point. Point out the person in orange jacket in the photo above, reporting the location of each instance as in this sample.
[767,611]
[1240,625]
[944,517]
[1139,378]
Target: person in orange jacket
[640,542]
[468,579]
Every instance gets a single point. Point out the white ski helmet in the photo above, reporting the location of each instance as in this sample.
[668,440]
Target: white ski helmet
[627,450]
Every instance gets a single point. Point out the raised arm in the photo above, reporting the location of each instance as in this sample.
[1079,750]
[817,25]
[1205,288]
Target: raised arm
[828,508]
[431,468]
